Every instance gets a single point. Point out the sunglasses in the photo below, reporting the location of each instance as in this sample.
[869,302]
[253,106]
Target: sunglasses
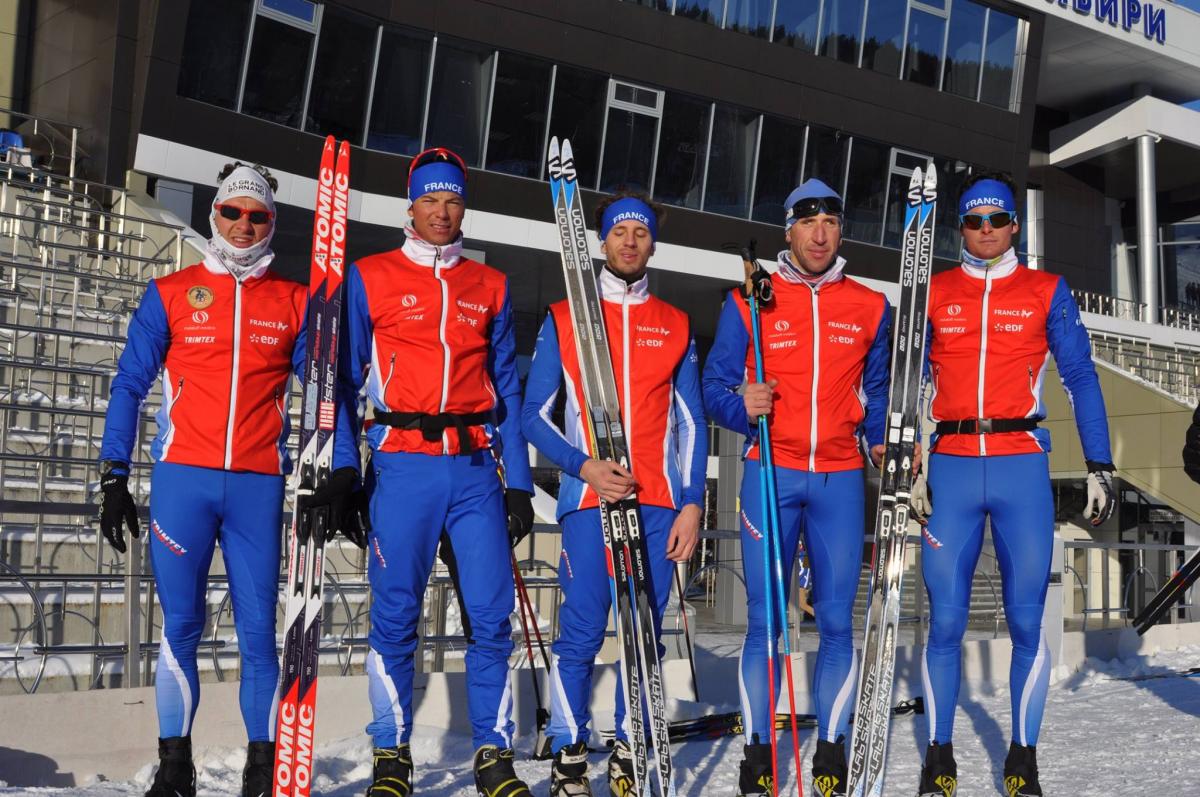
[997,218]
[233,213]
[814,205]
[437,155]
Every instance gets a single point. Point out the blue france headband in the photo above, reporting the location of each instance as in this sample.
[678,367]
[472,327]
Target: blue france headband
[987,192]
[629,209]
[438,176]
[812,188]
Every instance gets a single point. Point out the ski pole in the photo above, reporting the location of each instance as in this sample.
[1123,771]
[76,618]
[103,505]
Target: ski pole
[687,633]
[527,617]
[771,506]
[753,295]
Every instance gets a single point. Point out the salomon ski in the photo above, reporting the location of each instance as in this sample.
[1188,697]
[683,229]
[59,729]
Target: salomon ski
[296,719]
[621,521]
[868,747]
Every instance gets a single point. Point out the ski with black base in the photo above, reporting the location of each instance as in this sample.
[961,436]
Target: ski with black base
[297,711]
[1169,595]
[621,521]
[868,746]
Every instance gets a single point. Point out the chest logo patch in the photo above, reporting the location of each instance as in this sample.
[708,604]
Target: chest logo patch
[200,317]
[782,326]
[409,300]
[200,297]
[953,309]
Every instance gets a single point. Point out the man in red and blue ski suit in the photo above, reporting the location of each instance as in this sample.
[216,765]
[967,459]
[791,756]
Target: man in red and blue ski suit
[993,324]
[657,378]
[825,356]
[430,342]
[226,335]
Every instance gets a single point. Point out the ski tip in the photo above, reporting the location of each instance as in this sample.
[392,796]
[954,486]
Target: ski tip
[344,149]
[931,184]
[330,142]
[914,188]
[568,161]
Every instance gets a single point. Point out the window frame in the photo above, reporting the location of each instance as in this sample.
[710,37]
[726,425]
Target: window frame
[611,103]
[277,16]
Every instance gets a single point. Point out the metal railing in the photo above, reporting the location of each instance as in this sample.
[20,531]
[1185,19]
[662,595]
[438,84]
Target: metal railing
[1145,568]
[1111,306]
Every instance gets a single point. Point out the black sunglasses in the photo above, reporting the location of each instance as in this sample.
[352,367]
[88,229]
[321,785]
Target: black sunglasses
[233,213]
[997,218]
[811,206]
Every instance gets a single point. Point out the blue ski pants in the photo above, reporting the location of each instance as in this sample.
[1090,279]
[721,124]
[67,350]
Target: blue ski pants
[829,508]
[191,508]
[583,619]
[416,498]
[1014,491]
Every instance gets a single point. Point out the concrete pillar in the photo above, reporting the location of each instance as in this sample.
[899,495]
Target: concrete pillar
[1147,226]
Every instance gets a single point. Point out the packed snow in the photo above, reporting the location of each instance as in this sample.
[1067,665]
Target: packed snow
[1104,734]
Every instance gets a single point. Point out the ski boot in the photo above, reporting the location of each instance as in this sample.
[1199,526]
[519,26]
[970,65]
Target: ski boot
[756,778]
[258,776]
[939,776]
[1020,772]
[620,770]
[392,772]
[568,775]
[494,775]
[829,768]
[176,775]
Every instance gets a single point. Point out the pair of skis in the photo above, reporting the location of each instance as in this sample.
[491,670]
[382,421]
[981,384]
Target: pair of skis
[1174,590]
[627,556]
[297,710]
[868,745]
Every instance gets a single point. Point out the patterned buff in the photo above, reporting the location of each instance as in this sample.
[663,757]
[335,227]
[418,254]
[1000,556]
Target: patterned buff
[241,182]
[629,209]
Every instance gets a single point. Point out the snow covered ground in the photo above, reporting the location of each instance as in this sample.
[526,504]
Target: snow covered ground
[1103,735]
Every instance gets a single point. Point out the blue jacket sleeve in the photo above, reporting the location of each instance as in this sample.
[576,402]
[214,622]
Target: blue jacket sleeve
[502,368]
[146,348]
[1072,350]
[691,428]
[541,389]
[354,358]
[877,378]
[725,371]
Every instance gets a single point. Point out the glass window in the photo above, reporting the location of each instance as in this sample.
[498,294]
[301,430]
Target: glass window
[337,101]
[301,10]
[519,104]
[865,189]
[628,151]
[796,23]
[277,72]
[923,61]
[397,110]
[825,157]
[710,11]
[682,149]
[458,102]
[213,45]
[657,5]
[963,47]
[999,59]
[884,36]
[952,174]
[731,162]
[843,20]
[749,16]
[780,150]
[580,98]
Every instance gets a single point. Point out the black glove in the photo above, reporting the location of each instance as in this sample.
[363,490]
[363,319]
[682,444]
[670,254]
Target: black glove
[335,494]
[1191,448]
[116,505]
[358,518]
[520,514]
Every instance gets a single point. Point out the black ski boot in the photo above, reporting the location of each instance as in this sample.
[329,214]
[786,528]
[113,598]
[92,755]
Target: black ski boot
[939,776]
[568,775]
[620,769]
[392,772]
[1020,772]
[258,776]
[176,775]
[494,775]
[829,768]
[756,778]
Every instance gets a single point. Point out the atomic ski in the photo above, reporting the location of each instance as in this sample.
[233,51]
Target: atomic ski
[868,746]
[1171,592]
[296,719]
[621,521]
